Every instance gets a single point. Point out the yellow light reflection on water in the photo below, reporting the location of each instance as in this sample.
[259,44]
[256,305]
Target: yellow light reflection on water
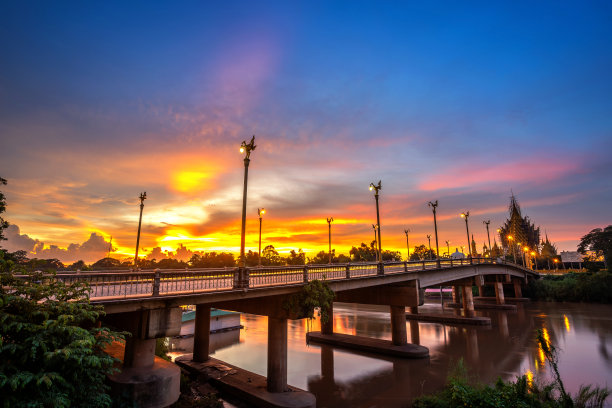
[529,376]
[567,323]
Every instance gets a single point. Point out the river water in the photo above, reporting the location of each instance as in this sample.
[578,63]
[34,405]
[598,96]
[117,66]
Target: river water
[341,378]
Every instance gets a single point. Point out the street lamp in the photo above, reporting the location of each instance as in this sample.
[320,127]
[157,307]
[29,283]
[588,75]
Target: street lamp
[329,221]
[260,213]
[487,222]
[376,189]
[448,248]
[525,251]
[555,262]
[375,227]
[535,262]
[433,206]
[143,196]
[429,241]
[466,215]
[511,238]
[406,231]
[245,148]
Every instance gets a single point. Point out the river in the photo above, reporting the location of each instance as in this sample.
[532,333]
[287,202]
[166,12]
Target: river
[340,378]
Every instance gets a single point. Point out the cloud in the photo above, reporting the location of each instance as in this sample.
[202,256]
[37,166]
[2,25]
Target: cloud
[94,248]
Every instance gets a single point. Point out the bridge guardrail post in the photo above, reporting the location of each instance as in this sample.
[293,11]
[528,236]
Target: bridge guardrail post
[156,281]
[305,273]
[424,265]
[348,271]
[246,273]
[405,266]
[380,269]
[237,278]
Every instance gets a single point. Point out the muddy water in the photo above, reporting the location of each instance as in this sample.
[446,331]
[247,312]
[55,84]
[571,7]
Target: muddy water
[340,378]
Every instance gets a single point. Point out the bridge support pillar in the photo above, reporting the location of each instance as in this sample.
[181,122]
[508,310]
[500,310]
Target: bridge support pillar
[414,309]
[328,326]
[399,337]
[518,293]
[415,335]
[468,301]
[499,293]
[277,354]
[480,291]
[139,353]
[201,334]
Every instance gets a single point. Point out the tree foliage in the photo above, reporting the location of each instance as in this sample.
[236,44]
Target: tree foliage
[364,253]
[421,252]
[599,241]
[3,224]
[212,260]
[315,294]
[51,355]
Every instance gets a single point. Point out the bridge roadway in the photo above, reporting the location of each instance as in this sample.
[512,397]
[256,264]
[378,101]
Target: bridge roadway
[146,303]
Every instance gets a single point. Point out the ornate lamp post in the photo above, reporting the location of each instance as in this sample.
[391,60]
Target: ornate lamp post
[143,196]
[245,148]
[466,215]
[329,221]
[376,189]
[448,248]
[525,252]
[260,213]
[487,222]
[429,243]
[375,227]
[433,206]
[406,231]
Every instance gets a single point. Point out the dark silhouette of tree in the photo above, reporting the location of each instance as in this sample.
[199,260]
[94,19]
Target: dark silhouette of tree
[364,253]
[3,224]
[599,241]
[271,257]
[106,263]
[214,260]
[421,252]
[78,265]
[296,258]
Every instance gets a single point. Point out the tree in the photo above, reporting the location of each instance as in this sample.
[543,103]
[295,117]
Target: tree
[599,241]
[296,258]
[421,252]
[106,263]
[269,256]
[51,353]
[3,224]
[364,253]
[79,265]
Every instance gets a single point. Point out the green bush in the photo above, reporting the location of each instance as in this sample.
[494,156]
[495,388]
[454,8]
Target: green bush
[573,287]
[51,353]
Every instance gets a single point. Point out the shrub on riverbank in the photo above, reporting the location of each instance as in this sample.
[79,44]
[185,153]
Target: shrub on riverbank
[574,287]
[460,392]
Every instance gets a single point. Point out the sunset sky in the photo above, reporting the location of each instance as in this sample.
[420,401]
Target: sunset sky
[102,101]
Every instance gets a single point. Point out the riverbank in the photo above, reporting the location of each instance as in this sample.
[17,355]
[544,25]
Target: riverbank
[594,287]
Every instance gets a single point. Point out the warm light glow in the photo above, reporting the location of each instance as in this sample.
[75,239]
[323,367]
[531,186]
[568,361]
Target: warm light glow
[567,323]
[371,187]
[242,150]
[186,181]
[526,249]
[529,376]
[533,253]
[555,260]
[510,237]
[462,215]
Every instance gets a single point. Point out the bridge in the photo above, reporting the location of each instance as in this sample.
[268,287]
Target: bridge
[147,304]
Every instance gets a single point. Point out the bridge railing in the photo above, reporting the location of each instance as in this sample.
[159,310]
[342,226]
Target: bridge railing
[125,284]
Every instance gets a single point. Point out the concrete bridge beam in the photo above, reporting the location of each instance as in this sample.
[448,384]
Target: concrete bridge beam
[201,334]
[277,355]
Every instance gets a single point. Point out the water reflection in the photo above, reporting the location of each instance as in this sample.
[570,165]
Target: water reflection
[506,349]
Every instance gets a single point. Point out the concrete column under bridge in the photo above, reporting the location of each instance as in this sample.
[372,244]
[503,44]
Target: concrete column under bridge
[201,334]
[499,293]
[145,379]
[277,354]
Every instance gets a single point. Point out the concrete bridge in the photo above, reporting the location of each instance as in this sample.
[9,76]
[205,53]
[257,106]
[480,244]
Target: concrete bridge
[147,304]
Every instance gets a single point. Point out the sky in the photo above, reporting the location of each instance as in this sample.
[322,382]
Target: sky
[461,102]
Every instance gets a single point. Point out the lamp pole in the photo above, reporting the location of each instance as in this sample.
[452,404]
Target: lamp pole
[329,221]
[429,243]
[245,148]
[466,215]
[376,189]
[448,247]
[487,222]
[260,213]
[433,206]
[143,196]
[406,231]
[375,227]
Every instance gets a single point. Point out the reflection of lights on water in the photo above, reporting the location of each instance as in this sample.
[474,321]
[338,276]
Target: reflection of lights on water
[546,337]
[541,354]
[529,376]
[567,323]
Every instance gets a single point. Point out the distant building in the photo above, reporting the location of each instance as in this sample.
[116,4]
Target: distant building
[457,254]
[570,256]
